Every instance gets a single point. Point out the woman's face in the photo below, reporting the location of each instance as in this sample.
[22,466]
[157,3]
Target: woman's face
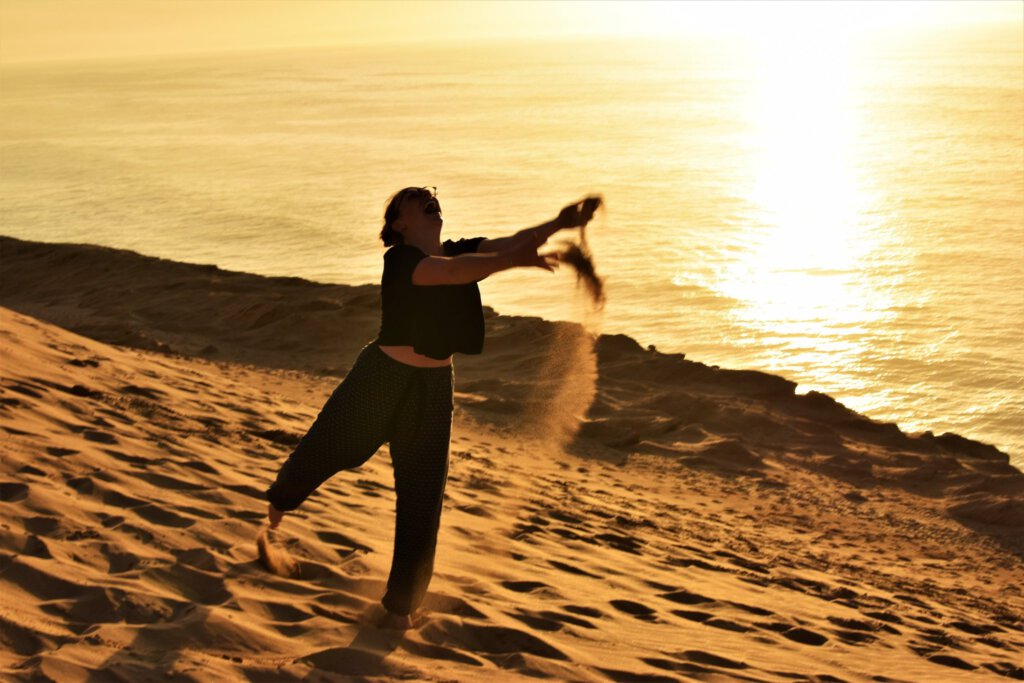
[420,214]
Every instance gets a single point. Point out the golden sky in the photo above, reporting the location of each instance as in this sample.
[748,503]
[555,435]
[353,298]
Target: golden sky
[32,30]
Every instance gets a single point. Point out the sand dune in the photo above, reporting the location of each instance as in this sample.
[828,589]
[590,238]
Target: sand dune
[691,523]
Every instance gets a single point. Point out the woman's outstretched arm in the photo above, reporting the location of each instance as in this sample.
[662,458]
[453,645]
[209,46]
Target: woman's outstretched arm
[466,268]
[572,216]
[538,234]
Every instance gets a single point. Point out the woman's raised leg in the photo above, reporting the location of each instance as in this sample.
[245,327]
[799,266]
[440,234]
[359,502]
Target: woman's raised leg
[353,423]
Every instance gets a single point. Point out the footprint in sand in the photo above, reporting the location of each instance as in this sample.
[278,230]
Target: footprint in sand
[431,651]
[37,581]
[973,629]
[853,624]
[247,490]
[163,516]
[1006,669]
[372,488]
[24,544]
[702,657]
[727,625]
[42,526]
[535,621]
[693,562]
[585,611]
[141,534]
[348,544]
[572,535]
[752,609]
[17,432]
[190,584]
[279,611]
[119,562]
[804,636]
[83,485]
[199,466]
[996,643]
[119,500]
[118,417]
[278,436]
[858,631]
[110,521]
[12,492]
[938,636]
[693,615]
[644,677]
[744,562]
[523,531]
[78,390]
[685,597]
[145,392]
[132,460]
[571,569]
[26,389]
[523,586]
[475,510]
[565,517]
[99,437]
[886,617]
[167,482]
[623,543]
[356,662]
[493,640]
[201,513]
[775,626]
[950,660]
[567,618]
[251,515]
[636,609]
[854,637]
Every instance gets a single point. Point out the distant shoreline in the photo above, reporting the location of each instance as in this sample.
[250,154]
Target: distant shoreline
[981,30]
[121,297]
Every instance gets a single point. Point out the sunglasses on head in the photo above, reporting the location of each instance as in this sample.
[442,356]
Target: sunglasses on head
[430,192]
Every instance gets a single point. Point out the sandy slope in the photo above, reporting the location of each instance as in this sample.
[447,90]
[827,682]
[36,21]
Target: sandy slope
[703,524]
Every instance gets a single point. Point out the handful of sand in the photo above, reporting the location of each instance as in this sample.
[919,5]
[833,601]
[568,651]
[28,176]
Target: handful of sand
[580,258]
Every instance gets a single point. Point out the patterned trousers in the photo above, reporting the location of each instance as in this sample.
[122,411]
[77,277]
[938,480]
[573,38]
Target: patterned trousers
[384,401]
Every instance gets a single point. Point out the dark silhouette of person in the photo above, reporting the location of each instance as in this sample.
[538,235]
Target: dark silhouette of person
[400,388]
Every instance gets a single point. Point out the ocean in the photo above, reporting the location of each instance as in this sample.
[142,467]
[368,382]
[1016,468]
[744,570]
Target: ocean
[850,216]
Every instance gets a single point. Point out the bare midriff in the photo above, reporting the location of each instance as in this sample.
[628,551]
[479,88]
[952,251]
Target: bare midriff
[405,354]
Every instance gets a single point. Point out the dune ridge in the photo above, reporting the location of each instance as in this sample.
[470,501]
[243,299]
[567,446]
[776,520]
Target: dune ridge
[694,522]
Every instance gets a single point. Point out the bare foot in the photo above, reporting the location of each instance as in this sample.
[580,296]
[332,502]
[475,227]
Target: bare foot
[275,516]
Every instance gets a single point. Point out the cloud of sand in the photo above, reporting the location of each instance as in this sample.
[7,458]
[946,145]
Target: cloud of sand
[568,381]
[568,370]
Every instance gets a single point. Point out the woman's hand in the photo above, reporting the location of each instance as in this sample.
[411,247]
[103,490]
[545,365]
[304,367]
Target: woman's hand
[579,214]
[524,255]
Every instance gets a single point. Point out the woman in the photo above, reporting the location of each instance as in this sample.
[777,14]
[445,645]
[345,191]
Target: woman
[399,390]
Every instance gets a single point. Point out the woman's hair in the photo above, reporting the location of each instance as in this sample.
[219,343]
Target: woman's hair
[393,208]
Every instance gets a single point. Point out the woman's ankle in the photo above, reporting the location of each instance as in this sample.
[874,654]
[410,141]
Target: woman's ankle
[274,515]
[396,622]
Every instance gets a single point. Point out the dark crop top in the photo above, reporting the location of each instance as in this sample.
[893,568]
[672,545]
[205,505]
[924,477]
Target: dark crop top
[436,320]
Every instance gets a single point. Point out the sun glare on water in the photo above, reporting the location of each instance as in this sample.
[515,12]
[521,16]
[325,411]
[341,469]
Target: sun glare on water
[809,220]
